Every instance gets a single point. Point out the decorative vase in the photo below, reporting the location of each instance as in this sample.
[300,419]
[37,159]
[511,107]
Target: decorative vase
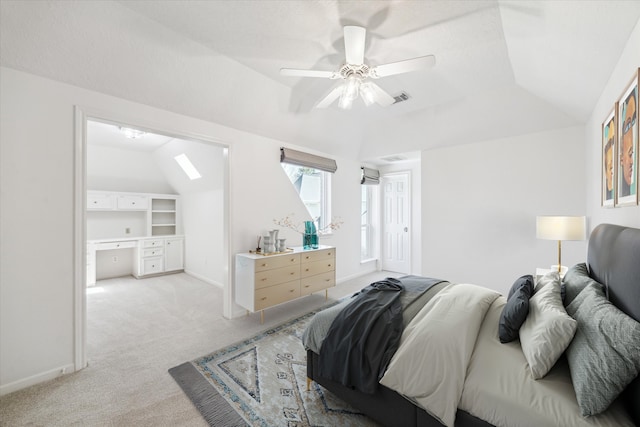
[310,236]
[275,236]
[268,245]
[281,246]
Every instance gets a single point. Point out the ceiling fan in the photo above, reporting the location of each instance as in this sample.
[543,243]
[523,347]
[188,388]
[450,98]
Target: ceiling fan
[357,75]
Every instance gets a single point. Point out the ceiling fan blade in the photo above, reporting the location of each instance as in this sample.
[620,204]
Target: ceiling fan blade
[307,73]
[333,95]
[406,66]
[354,38]
[380,96]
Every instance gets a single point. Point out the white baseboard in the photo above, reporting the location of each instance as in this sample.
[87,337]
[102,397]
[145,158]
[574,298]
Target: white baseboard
[204,279]
[358,274]
[36,379]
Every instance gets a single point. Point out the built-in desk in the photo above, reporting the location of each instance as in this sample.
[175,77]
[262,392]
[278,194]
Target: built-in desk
[150,255]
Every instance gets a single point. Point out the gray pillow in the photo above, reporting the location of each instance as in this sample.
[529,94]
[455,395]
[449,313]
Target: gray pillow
[604,356]
[576,279]
[548,329]
[516,309]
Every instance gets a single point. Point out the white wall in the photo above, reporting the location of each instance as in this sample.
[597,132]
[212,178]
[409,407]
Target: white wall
[116,169]
[480,201]
[37,210]
[624,69]
[414,168]
[202,216]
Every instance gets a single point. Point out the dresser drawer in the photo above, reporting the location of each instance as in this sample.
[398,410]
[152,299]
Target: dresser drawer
[279,275]
[146,253]
[155,243]
[317,283]
[313,256]
[152,265]
[115,245]
[271,262]
[317,267]
[267,297]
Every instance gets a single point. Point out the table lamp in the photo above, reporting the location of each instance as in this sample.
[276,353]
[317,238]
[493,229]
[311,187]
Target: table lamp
[561,228]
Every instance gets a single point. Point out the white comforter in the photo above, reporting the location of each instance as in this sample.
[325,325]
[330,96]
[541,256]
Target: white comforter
[450,357]
[430,365]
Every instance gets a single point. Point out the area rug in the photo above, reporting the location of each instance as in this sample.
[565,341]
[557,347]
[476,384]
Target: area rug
[261,381]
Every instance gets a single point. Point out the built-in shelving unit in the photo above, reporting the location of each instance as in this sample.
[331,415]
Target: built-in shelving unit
[163,216]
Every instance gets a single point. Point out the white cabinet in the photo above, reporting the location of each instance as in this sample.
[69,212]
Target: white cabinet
[174,254]
[264,281]
[132,203]
[100,201]
[159,255]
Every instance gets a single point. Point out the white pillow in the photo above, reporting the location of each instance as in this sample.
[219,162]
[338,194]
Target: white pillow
[548,329]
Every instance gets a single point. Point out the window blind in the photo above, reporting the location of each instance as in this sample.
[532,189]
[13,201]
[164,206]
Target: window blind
[300,158]
[370,176]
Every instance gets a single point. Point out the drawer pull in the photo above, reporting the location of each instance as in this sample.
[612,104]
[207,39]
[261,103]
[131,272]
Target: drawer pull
[328,265]
[264,265]
[293,260]
[118,245]
[307,257]
[306,286]
[292,290]
[306,269]
[327,280]
[263,279]
[292,273]
[263,299]
[329,253]
[153,265]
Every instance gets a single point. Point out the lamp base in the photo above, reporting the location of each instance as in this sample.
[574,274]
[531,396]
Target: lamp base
[562,270]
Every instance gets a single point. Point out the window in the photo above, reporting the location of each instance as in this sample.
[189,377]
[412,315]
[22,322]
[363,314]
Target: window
[365,223]
[313,187]
[187,166]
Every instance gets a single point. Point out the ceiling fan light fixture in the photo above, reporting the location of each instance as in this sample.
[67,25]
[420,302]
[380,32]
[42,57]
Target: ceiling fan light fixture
[345,102]
[132,133]
[367,94]
[352,87]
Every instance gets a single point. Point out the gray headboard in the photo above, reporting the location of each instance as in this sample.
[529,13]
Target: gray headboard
[614,260]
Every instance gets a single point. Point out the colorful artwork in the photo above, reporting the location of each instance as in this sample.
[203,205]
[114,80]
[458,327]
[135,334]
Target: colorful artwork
[609,159]
[627,182]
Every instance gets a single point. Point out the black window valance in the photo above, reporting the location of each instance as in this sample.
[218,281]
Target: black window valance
[370,176]
[307,160]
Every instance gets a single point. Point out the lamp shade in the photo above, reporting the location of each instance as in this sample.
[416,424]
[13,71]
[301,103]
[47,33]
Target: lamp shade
[561,227]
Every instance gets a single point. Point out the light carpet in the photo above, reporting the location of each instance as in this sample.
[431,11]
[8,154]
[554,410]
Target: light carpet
[263,379]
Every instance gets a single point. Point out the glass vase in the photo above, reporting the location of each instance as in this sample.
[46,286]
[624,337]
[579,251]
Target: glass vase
[310,236]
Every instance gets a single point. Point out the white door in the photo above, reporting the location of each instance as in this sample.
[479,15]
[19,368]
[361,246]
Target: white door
[395,223]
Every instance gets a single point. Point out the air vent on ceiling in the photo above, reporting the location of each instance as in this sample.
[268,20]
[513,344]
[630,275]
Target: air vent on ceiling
[403,96]
[391,159]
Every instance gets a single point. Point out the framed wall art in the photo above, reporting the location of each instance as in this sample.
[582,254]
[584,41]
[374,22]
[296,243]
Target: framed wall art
[627,163]
[609,144]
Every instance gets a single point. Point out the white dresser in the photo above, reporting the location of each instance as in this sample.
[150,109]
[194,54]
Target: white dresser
[263,281]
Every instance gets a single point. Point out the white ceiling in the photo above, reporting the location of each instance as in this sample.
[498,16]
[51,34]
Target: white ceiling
[502,68]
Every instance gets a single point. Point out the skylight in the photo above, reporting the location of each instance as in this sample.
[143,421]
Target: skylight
[187,166]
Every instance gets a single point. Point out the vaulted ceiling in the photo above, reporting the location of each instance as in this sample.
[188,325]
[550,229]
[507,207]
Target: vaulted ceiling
[503,68]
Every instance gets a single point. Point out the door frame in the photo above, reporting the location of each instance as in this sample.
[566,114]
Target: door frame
[81,116]
[409,216]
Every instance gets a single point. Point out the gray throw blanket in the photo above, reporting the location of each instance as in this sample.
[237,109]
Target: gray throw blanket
[366,333]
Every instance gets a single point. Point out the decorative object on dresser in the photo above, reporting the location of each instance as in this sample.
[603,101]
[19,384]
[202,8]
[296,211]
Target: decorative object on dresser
[308,229]
[264,281]
[561,228]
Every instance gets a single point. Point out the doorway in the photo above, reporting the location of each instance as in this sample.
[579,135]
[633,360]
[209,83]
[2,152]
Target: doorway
[83,183]
[396,219]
